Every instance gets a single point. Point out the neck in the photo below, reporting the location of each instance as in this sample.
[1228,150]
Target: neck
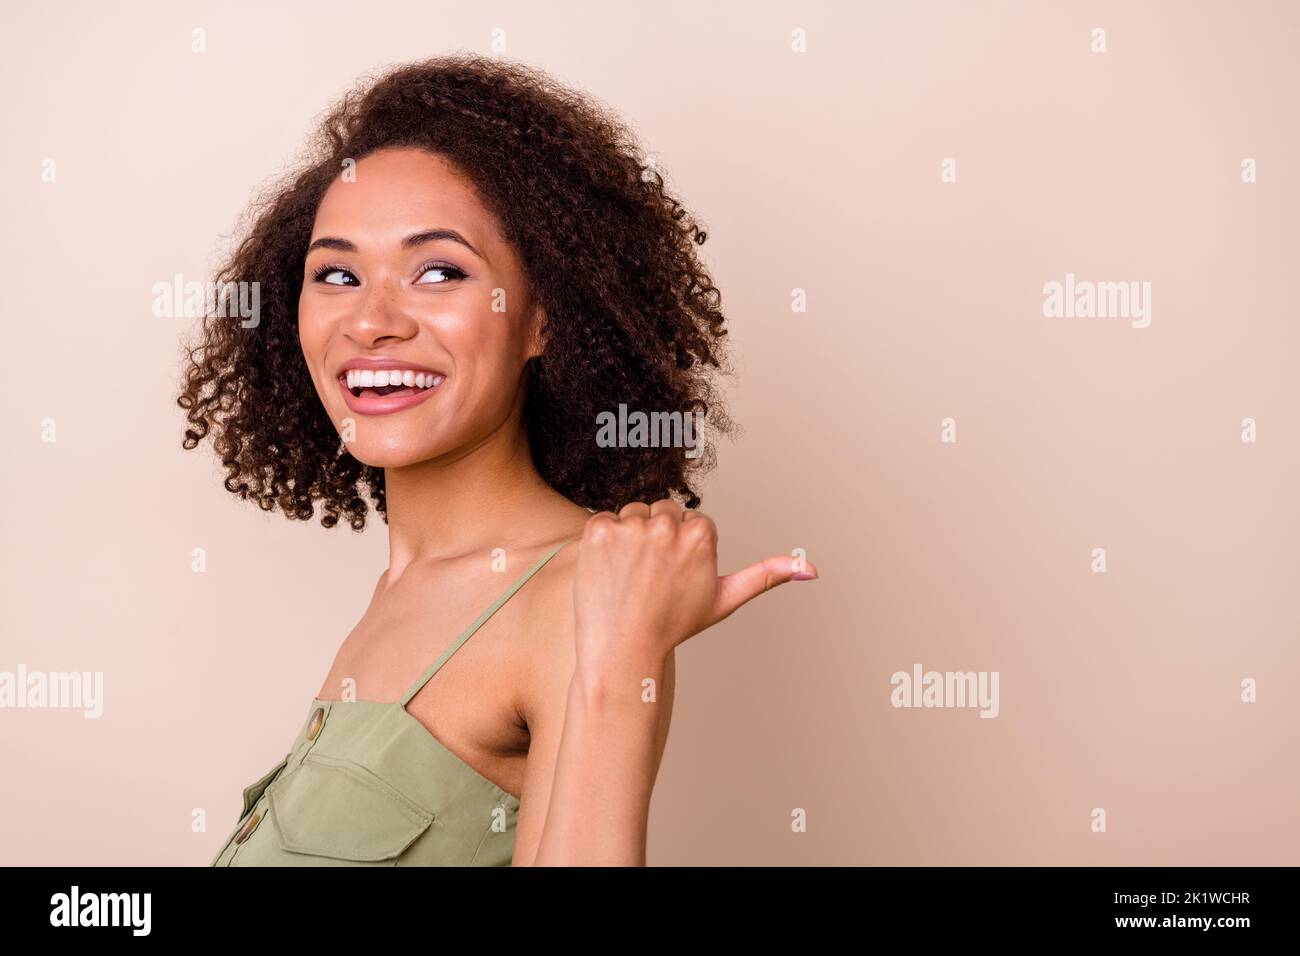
[483,497]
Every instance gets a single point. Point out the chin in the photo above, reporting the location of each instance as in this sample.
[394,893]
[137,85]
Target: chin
[394,453]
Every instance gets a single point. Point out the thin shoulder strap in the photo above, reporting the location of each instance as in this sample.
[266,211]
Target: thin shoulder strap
[482,618]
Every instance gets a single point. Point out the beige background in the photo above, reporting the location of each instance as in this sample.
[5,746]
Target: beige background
[818,171]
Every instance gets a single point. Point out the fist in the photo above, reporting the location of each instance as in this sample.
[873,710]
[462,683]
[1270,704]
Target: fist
[647,579]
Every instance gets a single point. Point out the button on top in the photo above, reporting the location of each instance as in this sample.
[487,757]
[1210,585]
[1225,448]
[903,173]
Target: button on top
[246,830]
[314,725]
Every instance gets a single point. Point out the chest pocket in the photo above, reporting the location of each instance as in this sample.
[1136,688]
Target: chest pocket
[337,809]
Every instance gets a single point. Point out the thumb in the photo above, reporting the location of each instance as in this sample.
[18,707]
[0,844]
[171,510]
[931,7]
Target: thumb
[745,585]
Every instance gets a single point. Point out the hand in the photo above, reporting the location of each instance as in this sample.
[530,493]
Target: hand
[647,579]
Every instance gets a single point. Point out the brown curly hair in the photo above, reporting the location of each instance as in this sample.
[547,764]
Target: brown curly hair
[632,315]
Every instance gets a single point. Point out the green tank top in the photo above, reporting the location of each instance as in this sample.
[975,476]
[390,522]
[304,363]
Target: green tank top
[366,784]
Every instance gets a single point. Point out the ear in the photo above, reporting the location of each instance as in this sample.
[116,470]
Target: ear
[537,332]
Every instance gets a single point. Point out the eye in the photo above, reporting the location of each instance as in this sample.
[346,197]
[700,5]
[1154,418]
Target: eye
[448,272]
[327,273]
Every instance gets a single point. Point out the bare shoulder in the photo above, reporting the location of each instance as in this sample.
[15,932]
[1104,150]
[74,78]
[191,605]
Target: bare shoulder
[543,693]
[550,652]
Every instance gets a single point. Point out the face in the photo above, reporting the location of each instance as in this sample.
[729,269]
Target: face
[414,317]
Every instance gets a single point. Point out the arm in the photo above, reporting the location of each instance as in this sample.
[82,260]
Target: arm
[646,581]
[608,762]
[546,725]
[571,720]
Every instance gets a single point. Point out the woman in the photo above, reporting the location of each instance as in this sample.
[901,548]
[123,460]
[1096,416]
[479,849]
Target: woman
[471,272]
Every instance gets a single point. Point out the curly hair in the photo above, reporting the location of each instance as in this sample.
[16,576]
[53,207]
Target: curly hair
[632,315]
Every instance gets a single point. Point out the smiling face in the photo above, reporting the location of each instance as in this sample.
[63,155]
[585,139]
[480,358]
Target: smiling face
[414,318]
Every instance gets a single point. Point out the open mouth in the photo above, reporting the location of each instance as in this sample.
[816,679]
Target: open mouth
[364,383]
[382,391]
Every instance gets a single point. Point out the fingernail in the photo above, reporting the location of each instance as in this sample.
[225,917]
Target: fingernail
[803,576]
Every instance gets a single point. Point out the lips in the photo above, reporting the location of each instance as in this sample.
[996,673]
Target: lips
[381,387]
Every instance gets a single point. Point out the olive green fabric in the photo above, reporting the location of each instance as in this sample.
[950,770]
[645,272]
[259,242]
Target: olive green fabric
[366,784]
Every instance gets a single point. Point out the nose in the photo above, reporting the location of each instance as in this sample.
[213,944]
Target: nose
[378,315]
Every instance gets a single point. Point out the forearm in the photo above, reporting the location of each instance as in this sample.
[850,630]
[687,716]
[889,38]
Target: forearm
[606,767]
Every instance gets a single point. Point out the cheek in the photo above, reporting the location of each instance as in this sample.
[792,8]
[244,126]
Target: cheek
[476,325]
[304,323]
[311,338]
[484,342]
[308,321]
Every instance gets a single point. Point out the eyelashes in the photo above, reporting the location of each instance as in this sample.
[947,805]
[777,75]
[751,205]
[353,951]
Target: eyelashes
[453,274]
[320,272]
[444,267]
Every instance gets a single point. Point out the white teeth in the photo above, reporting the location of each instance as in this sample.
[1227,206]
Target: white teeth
[368,378]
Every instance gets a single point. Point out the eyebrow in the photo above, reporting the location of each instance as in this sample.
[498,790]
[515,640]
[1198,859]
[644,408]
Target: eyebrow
[410,242]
